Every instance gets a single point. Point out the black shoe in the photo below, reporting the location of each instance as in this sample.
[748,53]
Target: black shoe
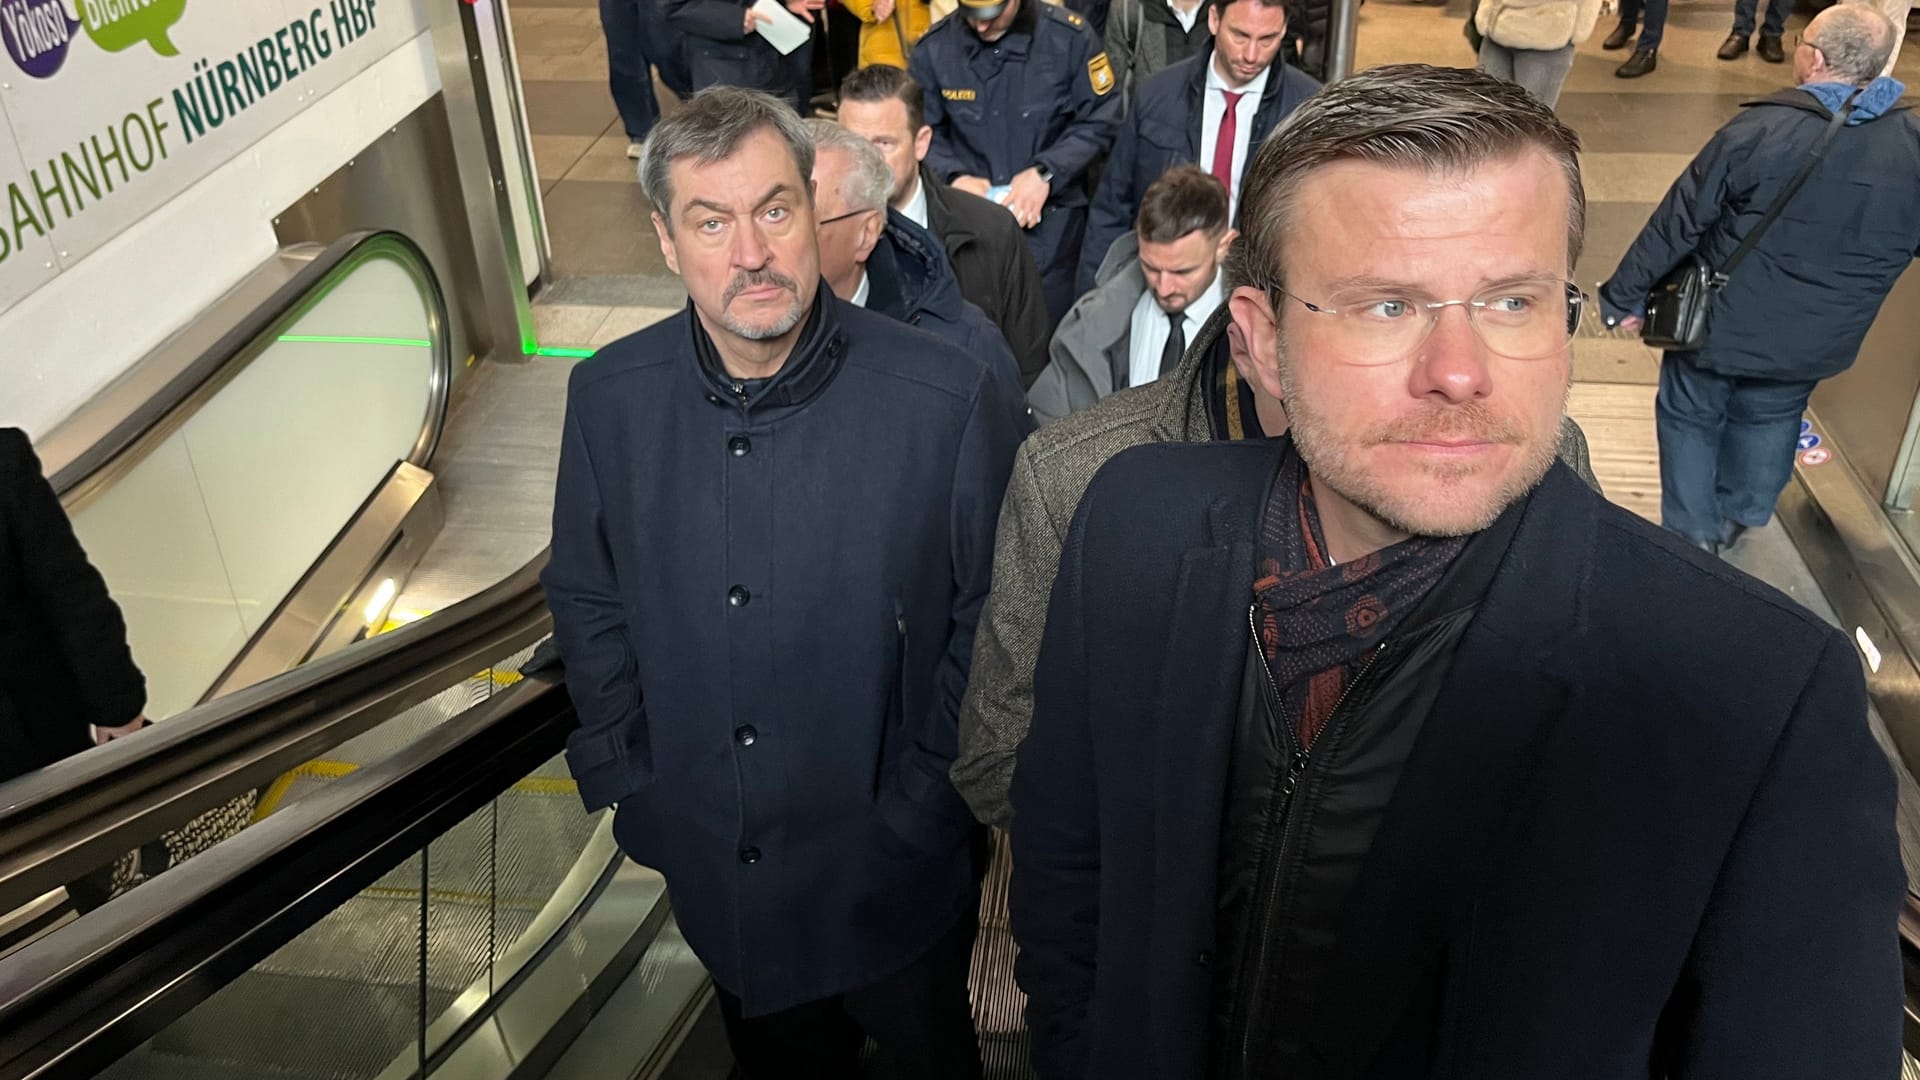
[1770,49]
[1641,62]
[1619,38]
[1735,47]
[1730,533]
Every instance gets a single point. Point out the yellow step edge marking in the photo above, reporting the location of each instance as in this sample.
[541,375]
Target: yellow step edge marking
[333,770]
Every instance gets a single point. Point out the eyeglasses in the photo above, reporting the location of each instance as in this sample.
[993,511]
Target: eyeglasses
[1525,320]
[841,217]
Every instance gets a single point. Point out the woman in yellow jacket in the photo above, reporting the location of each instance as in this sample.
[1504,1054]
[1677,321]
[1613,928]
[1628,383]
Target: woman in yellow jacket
[889,28]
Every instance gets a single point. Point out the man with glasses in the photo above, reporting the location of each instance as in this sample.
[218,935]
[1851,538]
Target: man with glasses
[874,258]
[1389,749]
[1796,309]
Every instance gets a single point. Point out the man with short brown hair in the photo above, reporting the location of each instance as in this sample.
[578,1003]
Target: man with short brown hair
[1388,749]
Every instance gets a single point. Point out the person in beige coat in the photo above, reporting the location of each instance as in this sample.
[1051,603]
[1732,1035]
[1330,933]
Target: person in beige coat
[1530,42]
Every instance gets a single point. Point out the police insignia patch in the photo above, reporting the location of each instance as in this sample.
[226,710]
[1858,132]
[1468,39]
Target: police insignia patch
[1100,70]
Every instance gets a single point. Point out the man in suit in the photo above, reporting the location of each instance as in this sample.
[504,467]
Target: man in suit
[1210,109]
[66,663]
[772,532]
[1388,749]
[724,48]
[990,257]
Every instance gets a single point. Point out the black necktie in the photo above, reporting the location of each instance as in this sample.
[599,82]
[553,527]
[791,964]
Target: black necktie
[1176,342]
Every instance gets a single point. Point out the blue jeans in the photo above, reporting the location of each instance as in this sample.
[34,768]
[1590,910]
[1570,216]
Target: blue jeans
[1775,25]
[638,40]
[1727,444]
[1656,20]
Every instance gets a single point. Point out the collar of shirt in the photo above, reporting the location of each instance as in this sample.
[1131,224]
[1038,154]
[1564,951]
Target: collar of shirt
[1255,89]
[1150,328]
[1187,18]
[859,298]
[916,208]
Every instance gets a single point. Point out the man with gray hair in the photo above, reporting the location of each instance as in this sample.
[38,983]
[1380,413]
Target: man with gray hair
[1388,749]
[772,534]
[872,256]
[1796,309]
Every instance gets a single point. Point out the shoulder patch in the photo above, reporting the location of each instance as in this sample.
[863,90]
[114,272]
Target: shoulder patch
[1100,71]
[1074,19]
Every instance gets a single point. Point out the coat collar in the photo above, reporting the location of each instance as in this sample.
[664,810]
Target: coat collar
[1470,781]
[952,229]
[817,357]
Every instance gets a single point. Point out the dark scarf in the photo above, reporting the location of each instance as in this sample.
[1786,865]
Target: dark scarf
[1319,622]
[1230,408]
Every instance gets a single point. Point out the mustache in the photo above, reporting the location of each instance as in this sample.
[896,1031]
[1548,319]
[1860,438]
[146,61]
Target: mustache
[1473,421]
[756,279]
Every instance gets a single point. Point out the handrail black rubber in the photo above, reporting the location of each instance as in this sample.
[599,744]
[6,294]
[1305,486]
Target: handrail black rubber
[235,343]
[79,813]
[75,1001]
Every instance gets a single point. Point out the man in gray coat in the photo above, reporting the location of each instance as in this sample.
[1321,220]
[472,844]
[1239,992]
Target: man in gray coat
[1155,289]
[1203,399]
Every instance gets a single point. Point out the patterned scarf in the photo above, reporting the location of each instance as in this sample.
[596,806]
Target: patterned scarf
[1319,622]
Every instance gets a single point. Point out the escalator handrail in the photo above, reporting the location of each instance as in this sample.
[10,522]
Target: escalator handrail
[238,344]
[76,1000]
[80,812]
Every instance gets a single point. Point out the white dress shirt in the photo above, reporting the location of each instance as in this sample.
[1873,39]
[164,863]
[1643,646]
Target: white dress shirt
[861,294]
[1151,327]
[1187,18]
[1213,109]
[916,208]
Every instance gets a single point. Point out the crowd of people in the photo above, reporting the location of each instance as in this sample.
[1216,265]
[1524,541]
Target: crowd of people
[1101,431]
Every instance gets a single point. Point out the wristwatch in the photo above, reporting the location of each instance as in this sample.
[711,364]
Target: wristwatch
[1040,169]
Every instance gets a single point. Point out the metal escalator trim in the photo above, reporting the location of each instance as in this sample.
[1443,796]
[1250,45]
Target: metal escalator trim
[128,439]
[78,1000]
[79,812]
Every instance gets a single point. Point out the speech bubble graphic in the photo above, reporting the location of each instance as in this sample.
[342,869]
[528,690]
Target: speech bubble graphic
[121,24]
[37,34]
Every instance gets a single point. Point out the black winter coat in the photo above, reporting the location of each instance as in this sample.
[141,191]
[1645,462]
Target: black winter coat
[767,607]
[1801,303]
[995,268]
[909,279]
[1162,129]
[64,661]
[1643,831]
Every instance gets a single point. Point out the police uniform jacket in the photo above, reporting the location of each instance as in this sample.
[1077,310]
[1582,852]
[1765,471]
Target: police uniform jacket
[766,602]
[1043,94]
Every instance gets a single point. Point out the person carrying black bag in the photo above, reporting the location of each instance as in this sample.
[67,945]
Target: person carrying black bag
[1766,264]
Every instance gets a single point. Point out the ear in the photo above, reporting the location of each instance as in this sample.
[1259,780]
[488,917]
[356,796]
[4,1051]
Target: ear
[666,242]
[869,236]
[1226,242]
[922,142]
[1213,18]
[1259,331]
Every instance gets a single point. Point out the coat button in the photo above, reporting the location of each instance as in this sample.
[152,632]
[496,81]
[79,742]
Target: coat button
[749,855]
[738,596]
[745,736]
[714,399]
[739,446]
[900,625]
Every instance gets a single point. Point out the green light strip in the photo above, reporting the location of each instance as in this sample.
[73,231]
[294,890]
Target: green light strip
[577,354]
[330,339]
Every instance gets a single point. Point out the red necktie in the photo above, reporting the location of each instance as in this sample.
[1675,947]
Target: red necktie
[1223,146]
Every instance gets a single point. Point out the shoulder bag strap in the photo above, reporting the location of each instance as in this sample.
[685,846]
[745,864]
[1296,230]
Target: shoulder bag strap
[1786,194]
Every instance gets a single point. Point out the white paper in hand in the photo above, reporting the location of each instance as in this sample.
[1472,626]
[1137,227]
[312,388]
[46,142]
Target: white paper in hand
[785,32]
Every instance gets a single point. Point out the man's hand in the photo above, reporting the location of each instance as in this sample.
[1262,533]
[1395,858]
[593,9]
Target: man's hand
[882,10]
[755,18]
[1631,324]
[1028,197]
[104,735]
[972,185]
[805,8]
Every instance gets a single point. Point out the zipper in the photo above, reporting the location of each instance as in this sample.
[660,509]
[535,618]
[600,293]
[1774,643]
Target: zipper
[1261,941]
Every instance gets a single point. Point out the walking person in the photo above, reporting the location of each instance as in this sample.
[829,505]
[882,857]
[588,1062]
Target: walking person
[1531,42]
[772,534]
[638,40]
[1795,310]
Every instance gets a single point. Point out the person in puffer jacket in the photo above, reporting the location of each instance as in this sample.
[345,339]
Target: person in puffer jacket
[1530,42]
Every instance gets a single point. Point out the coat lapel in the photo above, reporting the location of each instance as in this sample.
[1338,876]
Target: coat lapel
[1467,786]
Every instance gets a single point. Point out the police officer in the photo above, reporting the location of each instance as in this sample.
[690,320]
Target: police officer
[1021,100]
[724,48]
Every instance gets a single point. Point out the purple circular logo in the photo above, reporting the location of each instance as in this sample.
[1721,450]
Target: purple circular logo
[37,34]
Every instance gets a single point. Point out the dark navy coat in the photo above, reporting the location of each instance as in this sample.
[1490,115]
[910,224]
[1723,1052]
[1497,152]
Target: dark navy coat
[1802,302]
[1162,131]
[720,52]
[1044,94]
[1644,829]
[910,279]
[767,608]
